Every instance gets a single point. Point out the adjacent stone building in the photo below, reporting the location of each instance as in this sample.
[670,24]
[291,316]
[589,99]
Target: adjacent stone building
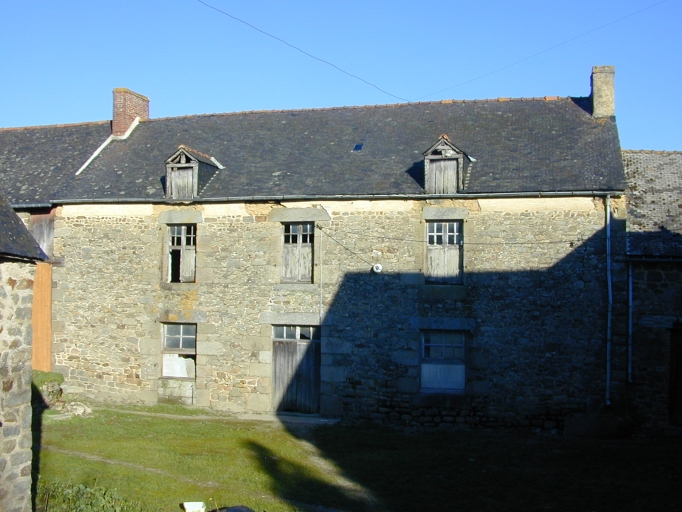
[426,263]
[18,254]
[654,257]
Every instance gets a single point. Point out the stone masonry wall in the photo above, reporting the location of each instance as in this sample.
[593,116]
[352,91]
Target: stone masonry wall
[16,295]
[657,292]
[533,302]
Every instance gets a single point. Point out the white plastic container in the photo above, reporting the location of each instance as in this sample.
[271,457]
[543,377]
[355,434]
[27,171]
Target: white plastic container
[194,506]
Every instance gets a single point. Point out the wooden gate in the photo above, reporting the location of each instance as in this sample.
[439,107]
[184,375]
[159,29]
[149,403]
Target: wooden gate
[297,375]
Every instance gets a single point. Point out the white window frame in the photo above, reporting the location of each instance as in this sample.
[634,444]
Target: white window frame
[179,361]
[444,252]
[182,246]
[298,249]
[443,361]
[296,332]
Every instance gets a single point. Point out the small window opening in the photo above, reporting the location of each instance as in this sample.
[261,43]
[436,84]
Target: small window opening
[182,240]
[179,350]
[358,147]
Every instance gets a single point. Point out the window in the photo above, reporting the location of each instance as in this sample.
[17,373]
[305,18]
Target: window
[297,253]
[182,253]
[295,332]
[444,252]
[443,367]
[179,350]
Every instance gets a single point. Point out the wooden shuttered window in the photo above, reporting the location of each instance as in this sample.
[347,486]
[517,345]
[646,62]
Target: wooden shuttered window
[182,253]
[443,362]
[182,183]
[444,252]
[442,177]
[297,252]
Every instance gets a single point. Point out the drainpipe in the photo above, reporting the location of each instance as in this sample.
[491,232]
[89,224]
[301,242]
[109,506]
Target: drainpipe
[319,275]
[631,314]
[610,299]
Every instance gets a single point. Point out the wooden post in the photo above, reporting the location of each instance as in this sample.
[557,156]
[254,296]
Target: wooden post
[42,318]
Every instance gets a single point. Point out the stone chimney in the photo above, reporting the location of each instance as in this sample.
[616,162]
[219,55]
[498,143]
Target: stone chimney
[127,106]
[603,98]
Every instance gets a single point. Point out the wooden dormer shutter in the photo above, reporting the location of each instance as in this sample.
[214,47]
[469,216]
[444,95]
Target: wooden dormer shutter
[182,183]
[443,168]
[188,264]
[442,176]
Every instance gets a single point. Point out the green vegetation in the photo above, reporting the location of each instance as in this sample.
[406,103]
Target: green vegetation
[40,378]
[160,462]
[78,498]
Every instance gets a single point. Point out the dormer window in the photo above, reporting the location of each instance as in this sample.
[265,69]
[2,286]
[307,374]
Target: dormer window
[443,168]
[188,172]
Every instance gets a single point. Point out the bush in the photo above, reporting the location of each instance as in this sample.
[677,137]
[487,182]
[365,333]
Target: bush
[56,497]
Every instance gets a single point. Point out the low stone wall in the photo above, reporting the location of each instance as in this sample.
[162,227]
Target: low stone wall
[16,295]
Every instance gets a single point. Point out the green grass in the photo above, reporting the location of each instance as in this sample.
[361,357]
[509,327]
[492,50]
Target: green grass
[161,462]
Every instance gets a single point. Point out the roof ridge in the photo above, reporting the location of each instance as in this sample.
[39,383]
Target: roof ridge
[63,125]
[652,151]
[386,105]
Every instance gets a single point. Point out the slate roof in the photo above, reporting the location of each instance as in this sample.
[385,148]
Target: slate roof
[531,145]
[35,162]
[654,202]
[15,240]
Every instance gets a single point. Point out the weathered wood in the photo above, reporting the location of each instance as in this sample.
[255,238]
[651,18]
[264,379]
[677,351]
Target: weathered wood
[444,253]
[41,226]
[182,183]
[296,376]
[305,263]
[42,318]
[188,264]
[442,176]
[297,253]
[442,376]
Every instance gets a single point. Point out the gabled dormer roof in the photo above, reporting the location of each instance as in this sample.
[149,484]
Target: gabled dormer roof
[185,154]
[443,148]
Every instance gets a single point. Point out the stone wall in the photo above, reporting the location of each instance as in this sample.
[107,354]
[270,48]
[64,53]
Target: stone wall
[16,281]
[533,304]
[657,292]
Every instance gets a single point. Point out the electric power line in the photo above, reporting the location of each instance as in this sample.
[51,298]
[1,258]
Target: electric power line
[441,90]
[543,51]
[303,52]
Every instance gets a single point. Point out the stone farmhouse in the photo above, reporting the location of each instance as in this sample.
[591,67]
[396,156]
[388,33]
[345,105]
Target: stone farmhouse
[18,254]
[441,262]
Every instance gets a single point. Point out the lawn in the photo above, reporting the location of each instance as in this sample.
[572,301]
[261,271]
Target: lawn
[161,461]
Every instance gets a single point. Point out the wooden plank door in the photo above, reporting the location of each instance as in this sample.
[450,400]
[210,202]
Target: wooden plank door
[297,375]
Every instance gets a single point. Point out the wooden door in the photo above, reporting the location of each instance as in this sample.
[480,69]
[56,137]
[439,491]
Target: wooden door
[675,404]
[297,375]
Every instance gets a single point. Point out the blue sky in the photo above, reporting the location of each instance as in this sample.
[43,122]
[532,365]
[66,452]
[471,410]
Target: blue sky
[61,59]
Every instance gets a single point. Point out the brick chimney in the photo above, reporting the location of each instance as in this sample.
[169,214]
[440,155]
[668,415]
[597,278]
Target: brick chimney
[127,106]
[603,97]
